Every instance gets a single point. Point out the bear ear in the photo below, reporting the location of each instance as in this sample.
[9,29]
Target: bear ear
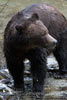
[34,17]
[20,27]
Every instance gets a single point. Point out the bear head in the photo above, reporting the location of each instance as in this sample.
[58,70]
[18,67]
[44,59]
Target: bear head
[33,33]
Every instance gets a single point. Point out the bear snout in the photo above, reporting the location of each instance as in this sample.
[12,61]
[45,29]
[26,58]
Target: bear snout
[51,42]
[54,42]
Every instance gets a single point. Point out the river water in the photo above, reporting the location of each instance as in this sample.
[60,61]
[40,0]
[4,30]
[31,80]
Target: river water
[54,88]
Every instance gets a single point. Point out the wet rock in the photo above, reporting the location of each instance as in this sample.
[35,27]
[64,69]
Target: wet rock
[4,88]
[4,73]
[1,98]
[52,63]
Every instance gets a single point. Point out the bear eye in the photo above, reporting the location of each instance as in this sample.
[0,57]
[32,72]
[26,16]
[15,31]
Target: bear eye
[43,34]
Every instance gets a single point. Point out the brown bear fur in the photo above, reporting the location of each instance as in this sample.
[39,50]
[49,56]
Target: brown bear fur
[26,37]
[56,24]
[26,34]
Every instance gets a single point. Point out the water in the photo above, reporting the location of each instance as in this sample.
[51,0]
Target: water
[54,89]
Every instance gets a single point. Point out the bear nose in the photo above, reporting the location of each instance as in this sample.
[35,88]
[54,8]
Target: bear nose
[55,42]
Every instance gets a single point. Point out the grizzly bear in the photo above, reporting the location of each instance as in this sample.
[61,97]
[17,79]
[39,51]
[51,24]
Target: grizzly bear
[56,24]
[27,37]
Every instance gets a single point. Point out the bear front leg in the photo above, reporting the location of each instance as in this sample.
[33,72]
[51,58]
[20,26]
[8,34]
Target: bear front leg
[16,68]
[38,68]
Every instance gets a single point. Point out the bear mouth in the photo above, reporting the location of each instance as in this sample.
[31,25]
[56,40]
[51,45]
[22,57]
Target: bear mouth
[50,48]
